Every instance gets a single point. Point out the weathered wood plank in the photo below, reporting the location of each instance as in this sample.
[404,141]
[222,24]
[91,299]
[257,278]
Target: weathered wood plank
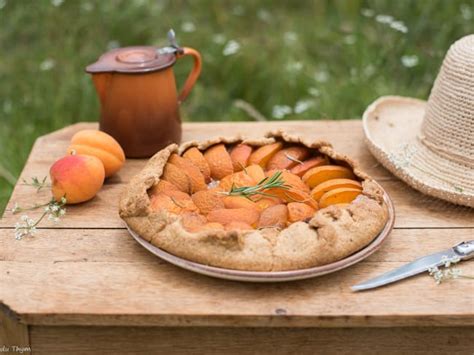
[157,293]
[14,337]
[116,245]
[139,340]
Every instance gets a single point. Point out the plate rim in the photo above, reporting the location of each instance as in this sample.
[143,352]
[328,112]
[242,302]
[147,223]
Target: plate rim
[276,276]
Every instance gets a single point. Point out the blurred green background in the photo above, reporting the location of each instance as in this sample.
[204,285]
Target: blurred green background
[291,60]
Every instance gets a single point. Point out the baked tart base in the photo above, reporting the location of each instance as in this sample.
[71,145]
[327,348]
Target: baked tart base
[330,234]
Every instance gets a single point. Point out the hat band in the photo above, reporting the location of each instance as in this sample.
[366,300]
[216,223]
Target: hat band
[458,158]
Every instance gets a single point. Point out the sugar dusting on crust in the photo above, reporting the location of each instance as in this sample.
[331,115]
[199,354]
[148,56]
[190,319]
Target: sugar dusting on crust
[333,233]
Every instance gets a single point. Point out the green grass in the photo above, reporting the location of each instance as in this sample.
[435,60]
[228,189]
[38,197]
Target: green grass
[322,53]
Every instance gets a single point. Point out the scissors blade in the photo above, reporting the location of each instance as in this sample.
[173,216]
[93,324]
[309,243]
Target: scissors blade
[415,267]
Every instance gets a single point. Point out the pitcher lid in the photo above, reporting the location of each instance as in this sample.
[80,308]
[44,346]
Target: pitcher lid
[139,59]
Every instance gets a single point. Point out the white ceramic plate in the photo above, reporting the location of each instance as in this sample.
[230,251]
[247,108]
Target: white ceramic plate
[275,276]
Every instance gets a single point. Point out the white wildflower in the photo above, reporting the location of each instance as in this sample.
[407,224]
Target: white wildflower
[188,27]
[218,38]
[280,111]
[367,12]
[349,39]
[321,76]
[290,37]
[409,61]
[54,208]
[47,64]
[385,19]
[369,70]
[399,26]
[63,200]
[293,67]
[302,106]
[264,15]
[466,12]
[314,91]
[57,3]
[231,48]
[87,6]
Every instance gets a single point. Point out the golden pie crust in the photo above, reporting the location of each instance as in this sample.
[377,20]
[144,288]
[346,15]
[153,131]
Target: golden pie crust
[332,234]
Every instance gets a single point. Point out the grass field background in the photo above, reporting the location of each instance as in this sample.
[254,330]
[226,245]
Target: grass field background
[289,59]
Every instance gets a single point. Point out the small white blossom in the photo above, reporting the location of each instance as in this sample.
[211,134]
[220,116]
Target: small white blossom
[188,27]
[218,38]
[349,39]
[466,12]
[314,91]
[369,70]
[231,48]
[87,6]
[321,76]
[57,3]
[47,64]
[409,61]
[302,106]
[399,26]
[294,67]
[385,19]
[367,12]
[280,111]
[290,37]
[63,200]
[264,15]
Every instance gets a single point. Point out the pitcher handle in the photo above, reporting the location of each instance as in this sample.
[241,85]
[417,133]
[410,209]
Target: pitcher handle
[192,77]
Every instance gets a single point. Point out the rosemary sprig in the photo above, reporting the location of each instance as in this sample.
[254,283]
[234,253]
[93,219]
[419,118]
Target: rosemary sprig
[273,182]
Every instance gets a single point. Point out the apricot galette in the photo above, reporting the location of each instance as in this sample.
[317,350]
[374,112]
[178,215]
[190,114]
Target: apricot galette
[276,203]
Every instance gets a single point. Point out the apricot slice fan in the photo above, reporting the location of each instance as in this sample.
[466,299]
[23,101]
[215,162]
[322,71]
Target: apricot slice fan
[244,187]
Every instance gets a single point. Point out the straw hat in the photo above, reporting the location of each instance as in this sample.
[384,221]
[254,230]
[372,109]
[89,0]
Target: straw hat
[430,145]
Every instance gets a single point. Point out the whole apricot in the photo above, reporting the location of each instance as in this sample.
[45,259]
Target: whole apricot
[100,145]
[78,178]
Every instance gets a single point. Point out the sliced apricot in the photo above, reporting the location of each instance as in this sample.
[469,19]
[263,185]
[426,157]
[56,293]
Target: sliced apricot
[213,225]
[298,211]
[162,186]
[239,202]
[182,199]
[322,188]
[301,169]
[256,172]
[193,221]
[235,225]
[164,202]
[262,155]
[192,171]
[219,161]
[274,216]
[239,179]
[195,156]
[227,215]
[265,202]
[288,157]
[240,156]
[339,196]
[320,174]
[177,177]
[207,200]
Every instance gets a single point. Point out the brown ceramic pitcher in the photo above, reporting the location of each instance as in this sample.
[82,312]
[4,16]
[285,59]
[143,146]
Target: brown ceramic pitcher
[137,92]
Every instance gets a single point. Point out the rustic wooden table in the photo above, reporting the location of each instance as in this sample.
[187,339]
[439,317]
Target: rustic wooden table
[85,286]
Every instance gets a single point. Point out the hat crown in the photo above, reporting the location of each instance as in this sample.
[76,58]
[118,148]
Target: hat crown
[448,125]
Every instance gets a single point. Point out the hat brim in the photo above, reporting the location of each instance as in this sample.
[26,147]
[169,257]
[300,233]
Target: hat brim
[391,125]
